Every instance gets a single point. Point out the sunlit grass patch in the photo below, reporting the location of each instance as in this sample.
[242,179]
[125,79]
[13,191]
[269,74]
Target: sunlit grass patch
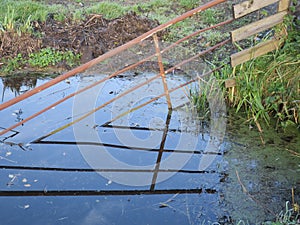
[189,4]
[109,10]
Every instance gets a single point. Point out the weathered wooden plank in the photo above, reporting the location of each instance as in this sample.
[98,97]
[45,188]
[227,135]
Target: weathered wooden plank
[230,82]
[249,6]
[283,5]
[258,26]
[254,52]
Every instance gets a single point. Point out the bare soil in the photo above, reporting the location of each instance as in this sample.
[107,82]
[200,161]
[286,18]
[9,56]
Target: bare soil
[91,37]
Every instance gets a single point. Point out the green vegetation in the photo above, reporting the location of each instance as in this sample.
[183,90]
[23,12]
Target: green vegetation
[211,16]
[13,64]
[188,4]
[199,100]
[288,217]
[109,10]
[44,58]
[17,15]
[49,56]
[22,16]
[267,87]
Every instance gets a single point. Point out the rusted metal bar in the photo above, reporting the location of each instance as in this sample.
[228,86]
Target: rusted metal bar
[108,54]
[162,70]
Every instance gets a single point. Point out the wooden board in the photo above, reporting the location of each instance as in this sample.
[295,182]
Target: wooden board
[254,52]
[230,82]
[249,6]
[258,26]
[283,5]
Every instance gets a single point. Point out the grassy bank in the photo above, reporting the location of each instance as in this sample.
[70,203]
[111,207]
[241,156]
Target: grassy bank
[267,88]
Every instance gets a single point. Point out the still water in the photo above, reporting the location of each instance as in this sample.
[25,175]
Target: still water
[84,163]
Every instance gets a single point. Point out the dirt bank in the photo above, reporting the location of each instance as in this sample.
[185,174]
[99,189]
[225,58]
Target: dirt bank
[90,37]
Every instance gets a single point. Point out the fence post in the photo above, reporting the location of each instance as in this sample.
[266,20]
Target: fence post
[283,5]
[162,70]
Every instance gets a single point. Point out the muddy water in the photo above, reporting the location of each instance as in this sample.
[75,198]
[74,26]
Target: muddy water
[149,166]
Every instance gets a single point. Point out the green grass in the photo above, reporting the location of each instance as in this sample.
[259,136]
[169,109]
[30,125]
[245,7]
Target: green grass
[268,87]
[189,4]
[50,57]
[109,10]
[211,16]
[16,14]
[44,58]
[12,64]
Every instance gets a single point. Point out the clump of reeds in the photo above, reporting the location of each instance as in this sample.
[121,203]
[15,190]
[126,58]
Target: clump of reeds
[267,87]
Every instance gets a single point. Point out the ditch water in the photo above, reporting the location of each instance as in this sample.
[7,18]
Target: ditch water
[147,166]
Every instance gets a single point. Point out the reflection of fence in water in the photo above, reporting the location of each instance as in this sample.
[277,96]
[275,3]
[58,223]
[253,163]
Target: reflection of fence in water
[155,171]
[143,49]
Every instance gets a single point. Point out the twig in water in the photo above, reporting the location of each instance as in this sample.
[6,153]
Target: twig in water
[246,191]
[165,203]
[8,160]
[239,179]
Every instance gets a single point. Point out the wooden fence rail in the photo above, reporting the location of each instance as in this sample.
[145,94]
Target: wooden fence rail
[246,31]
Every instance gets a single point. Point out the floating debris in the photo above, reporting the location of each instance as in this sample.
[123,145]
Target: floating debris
[13,177]
[109,182]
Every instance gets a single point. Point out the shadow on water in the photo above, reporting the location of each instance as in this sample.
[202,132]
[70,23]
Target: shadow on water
[142,168]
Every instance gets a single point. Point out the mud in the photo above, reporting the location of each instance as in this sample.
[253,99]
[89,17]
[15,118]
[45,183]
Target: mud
[90,37]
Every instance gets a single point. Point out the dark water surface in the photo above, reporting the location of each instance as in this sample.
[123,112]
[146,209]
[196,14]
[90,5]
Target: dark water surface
[151,166]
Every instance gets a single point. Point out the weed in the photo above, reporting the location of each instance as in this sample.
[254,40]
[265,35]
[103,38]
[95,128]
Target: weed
[13,64]
[213,37]
[266,87]
[211,16]
[205,96]
[200,103]
[45,57]
[180,30]
[156,10]
[289,216]
[49,56]
[8,23]
[18,15]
